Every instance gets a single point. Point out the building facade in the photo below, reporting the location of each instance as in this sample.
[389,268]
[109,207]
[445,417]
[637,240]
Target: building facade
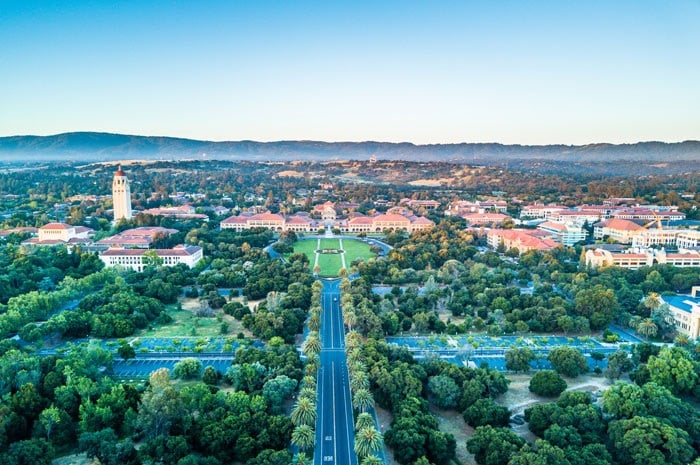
[637,258]
[566,234]
[524,240]
[138,259]
[686,312]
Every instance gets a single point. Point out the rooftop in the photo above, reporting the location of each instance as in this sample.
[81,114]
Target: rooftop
[682,302]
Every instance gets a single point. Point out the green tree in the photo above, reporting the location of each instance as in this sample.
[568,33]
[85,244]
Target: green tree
[444,391]
[161,405]
[618,363]
[188,368]
[543,453]
[568,361]
[277,390]
[598,304]
[372,460]
[368,441]
[494,446]
[49,418]
[486,412]
[304,412]
[29,452]
[518,359]
[125,351]
[647,328]
[364,420]
[547,383]
[210,376]
[650,441]
[363,400]
[673,368]
[303,437]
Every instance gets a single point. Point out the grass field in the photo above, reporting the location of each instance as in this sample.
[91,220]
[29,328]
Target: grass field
[186,323]
[330,263]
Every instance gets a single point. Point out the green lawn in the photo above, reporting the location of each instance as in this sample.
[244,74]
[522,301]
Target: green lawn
[331,263]
[185,323]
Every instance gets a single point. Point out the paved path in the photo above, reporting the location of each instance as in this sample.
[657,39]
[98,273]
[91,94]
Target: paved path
[342,255]
[316,255]
[335,435]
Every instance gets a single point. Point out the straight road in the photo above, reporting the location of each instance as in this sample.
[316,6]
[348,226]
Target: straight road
[335,435]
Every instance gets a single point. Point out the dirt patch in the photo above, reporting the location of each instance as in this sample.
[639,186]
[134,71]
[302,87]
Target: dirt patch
[290,174]
[452,422]
[426,182]
[74,459]
[251,303]
[518,397]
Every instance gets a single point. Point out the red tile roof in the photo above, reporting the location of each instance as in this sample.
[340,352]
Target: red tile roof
[619,225]
[56,226]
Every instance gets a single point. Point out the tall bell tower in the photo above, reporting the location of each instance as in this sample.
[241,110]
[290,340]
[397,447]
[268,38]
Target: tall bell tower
[121,196]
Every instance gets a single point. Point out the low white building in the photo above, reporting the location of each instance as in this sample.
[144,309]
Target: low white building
[563,233]
[686,312]
[688,240]
[637,258]
[63,232]
[138,259]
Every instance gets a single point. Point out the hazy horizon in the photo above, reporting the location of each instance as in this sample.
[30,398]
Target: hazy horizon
[359,141]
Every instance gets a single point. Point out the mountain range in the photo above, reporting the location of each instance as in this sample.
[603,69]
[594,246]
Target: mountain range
[95,146]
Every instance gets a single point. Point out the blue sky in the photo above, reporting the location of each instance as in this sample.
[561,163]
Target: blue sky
[527,72]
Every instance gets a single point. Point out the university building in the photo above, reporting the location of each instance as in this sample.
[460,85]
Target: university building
[138,259]
[686,312]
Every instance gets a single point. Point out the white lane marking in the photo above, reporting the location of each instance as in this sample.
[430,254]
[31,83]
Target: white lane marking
[342,255]
[319,420]
[316,254]
[335,433]
[348,423]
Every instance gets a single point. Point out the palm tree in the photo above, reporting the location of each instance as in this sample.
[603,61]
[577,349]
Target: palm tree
[353,340]
[312,345]
[304,412]
[363,400]
[308,393]
[364,420]
[309,382]
[303,437]
[359,380]
[353,355]
[372,460]
[368,441]
[314,322]
[349,318]
[301,459]
[355,366]
[634,321]
[647,328]
[652,301]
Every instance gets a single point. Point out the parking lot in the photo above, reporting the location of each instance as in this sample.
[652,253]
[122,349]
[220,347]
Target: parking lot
[142,367]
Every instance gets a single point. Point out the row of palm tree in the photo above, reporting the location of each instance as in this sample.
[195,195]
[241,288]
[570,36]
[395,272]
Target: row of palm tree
[305,410]
[368,440]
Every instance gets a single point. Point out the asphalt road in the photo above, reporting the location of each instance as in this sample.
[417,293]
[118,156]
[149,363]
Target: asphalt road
[334,425]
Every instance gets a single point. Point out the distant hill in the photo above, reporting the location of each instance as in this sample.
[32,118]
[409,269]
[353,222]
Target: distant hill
[93,146]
